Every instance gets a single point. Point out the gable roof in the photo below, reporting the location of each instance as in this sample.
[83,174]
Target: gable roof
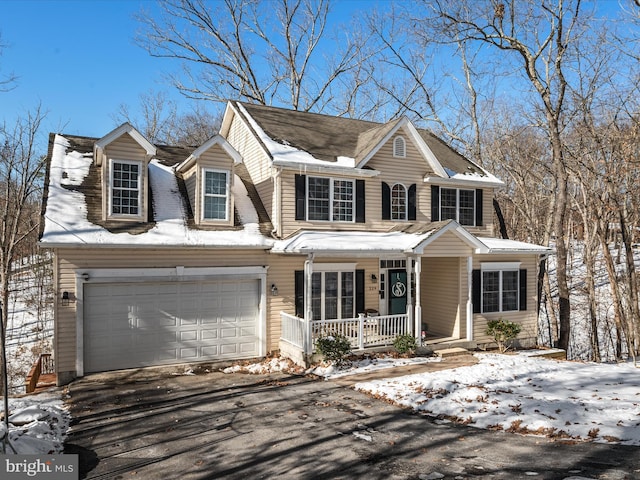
[126,128]
[215,140]
[294,138]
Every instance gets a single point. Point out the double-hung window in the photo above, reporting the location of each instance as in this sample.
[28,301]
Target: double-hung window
[458,204]
[330,199]
[333,294]
[126,188]
[215,195]
[500,290]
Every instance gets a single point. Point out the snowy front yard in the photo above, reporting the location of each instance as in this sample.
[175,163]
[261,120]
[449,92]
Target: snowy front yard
[521,394]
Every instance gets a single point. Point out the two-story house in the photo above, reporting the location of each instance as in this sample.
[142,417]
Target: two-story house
[285,226]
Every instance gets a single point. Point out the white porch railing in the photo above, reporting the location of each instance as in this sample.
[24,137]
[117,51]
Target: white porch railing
[362,332]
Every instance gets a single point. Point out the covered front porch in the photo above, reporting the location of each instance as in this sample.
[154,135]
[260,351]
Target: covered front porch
[419,285]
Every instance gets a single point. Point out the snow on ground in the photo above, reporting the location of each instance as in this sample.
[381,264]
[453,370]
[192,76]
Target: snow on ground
[523,394]
[38,424]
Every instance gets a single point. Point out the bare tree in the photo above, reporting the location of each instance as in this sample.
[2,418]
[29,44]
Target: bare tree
[228,50]
[21,171]
[7,81]
[158,120]
[540,39]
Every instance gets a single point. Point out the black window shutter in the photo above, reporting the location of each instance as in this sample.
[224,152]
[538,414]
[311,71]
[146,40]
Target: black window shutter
[412,210]
[299,292]
[359,291]
[386,201]
[360,201]
[475,288]
[301,187]
[479,207]
[523,290]
[435,203]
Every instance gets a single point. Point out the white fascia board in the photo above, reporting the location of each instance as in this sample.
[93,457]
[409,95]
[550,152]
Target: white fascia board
[426,151]
[121,130]
[227,117]
[309,167]
[460,182]
[215,140]
[458,230]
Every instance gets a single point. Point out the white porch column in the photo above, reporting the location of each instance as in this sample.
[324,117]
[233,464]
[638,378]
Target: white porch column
[418,308]
[469,298]
[409,270]
[308,313]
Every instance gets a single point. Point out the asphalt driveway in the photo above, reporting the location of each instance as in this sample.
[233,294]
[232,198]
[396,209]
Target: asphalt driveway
[153,424]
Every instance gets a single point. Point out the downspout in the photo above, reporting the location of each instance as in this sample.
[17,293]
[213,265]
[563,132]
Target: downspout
[469,298]
[276,202]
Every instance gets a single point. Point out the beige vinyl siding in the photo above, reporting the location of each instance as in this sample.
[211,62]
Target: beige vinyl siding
[71,260]
[443,296]
[124,148]
[447,245]
[407,171]
[256,160]
[527,319]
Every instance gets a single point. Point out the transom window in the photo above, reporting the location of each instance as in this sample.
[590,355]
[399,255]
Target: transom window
[398,202]
[500,290]
[215,195]
[125,188]
[458,204]
[330,199]
[332,295]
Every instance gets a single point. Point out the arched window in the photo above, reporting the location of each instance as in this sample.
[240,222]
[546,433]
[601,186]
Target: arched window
[399,147]
[398,202]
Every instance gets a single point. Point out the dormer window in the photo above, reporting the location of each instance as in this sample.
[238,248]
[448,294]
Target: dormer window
[215,191]
[399,147]
[126,188]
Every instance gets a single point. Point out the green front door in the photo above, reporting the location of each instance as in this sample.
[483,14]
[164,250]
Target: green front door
[397,292]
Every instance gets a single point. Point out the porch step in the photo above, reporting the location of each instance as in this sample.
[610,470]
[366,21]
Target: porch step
[451,352]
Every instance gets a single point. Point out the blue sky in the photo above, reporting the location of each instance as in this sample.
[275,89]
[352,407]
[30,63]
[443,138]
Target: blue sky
[78,59]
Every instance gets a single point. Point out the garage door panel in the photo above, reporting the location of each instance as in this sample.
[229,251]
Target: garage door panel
[142,324]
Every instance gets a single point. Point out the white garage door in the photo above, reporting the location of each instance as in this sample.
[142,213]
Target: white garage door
[128,325]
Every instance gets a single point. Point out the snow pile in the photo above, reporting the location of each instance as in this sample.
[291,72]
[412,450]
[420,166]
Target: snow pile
[272,365]
[521,394]
[38,424]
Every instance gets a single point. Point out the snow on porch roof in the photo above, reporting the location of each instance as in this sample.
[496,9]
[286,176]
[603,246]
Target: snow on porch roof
[395,242]
[371,243]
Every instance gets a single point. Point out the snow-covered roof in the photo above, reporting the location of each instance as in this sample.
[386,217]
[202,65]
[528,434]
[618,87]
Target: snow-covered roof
[500,245]
[66,215]
[381,243]
[296,139]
